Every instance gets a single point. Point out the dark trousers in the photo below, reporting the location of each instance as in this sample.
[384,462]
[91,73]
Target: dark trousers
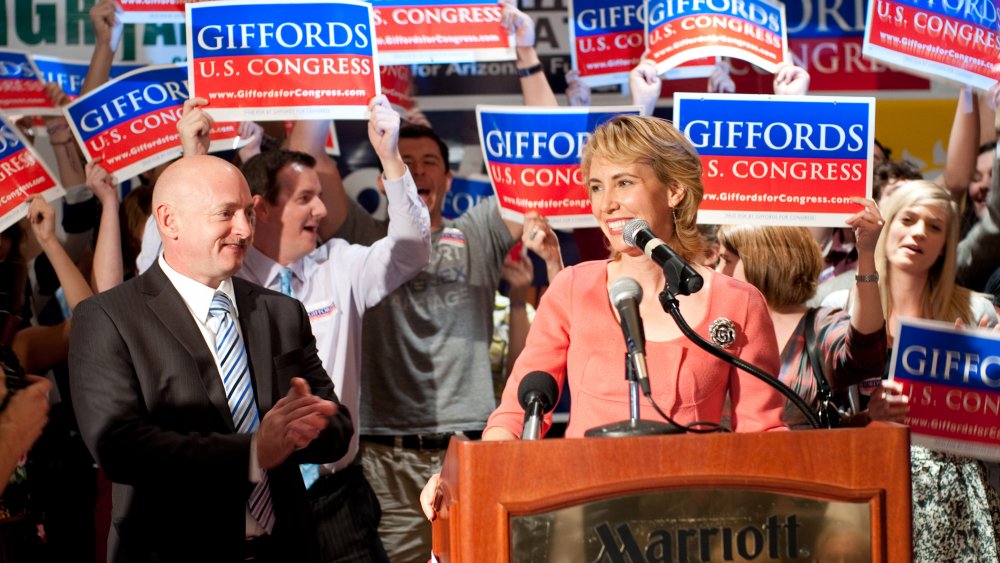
[347,514]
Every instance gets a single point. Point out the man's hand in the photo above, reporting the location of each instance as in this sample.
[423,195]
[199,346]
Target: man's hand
[383,132]
[294,422]
[195,128]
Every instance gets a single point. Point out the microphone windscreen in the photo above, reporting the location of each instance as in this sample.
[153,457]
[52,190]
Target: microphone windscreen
[631,229]
[542,384]
[625,288]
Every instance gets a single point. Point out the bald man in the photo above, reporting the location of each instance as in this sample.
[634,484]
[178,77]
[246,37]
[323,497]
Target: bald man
[199,394]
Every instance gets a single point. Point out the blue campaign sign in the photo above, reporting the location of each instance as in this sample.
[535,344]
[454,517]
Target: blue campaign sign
[538,136]
[70,74]
[757,12]
[937,353]
[769,126]
[10,141]
[131,95]
[234,29]
[464,194]
[598,17]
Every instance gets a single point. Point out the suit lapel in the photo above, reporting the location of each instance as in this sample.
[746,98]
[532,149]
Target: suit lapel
[256,330]
[166,303]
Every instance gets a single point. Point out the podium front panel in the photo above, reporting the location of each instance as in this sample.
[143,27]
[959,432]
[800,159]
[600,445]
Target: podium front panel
[696,524]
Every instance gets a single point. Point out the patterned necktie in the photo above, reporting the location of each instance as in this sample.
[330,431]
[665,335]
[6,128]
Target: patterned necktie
[310,471]
[232,356]
[286,282]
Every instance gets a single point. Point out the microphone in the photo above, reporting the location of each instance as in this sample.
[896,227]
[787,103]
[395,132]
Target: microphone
[626,294]
[537,394]
[681,277]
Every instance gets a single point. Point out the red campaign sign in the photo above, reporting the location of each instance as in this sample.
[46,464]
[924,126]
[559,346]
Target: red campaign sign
[607,59]
[753,30]
[132,147]
[282,60]
[131,121]
[151,11]
[607,39]
[950,376]
[834,65]
[427,32]
[934,42]
[397,85]
[533,159]
[22,174]
[779,160]
[21,87]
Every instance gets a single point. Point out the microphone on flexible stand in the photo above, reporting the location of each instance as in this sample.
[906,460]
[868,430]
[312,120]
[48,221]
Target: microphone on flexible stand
[682,279]
[626,294]
[537,394]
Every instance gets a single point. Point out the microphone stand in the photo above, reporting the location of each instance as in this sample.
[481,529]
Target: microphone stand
[633,426]
[670,305]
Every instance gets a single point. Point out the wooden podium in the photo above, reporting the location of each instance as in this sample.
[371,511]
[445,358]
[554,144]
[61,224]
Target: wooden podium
[484,485]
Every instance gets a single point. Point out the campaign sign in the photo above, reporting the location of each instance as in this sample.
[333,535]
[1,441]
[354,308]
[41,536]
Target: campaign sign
[779,160]
[22,174]
[533,156]
[952,377]
[681,30]
[21,88]
[151,11]
[131,122]
[464,194]
[955,40]
[283,60]
[69,74]
[606,39]
[826,40]
[441,31]
[397,85]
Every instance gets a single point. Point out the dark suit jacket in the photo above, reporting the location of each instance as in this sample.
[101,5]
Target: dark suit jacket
[152,410]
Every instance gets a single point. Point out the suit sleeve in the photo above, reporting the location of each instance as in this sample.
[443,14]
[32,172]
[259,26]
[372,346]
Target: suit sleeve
[117,426]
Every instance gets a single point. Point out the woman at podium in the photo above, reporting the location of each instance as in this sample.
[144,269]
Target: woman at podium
[644,168]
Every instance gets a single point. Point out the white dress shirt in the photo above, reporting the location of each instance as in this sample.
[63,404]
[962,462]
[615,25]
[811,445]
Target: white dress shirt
[338,281]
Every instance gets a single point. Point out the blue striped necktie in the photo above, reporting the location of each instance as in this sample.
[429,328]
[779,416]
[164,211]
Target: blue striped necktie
[232,356]
[310,471]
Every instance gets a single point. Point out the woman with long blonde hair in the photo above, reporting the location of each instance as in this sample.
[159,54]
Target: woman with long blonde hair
[956,513]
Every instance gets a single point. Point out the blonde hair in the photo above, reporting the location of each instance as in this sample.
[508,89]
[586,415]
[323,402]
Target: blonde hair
[782,262]
[658,144]
[942,299]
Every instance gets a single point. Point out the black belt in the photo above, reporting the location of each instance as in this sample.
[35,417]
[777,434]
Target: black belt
[430,442]
[259,548]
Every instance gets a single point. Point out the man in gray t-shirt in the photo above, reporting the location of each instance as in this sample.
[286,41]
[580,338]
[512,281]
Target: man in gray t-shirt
[425,351]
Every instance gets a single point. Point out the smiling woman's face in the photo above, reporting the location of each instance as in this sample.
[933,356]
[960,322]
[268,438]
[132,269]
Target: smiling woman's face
[917,237]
